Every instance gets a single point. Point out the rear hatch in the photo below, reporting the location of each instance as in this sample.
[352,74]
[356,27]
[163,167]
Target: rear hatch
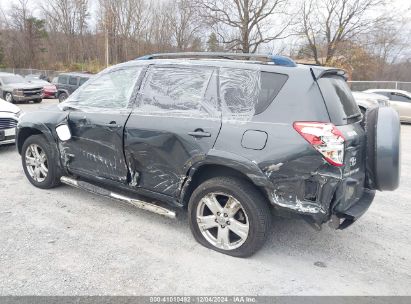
[346,116]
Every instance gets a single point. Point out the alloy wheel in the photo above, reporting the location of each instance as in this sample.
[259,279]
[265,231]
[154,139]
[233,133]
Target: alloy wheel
[36,163]
[222,221]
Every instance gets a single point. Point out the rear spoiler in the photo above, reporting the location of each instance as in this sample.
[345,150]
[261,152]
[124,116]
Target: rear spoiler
[319,72]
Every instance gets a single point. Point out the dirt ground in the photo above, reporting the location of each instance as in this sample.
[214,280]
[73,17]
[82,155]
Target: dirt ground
[68,242]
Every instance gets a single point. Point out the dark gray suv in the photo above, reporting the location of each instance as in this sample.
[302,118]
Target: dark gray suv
[234,138]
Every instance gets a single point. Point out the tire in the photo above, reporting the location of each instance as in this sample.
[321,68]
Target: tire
[62,97]
[9,97]
[45,181]
[254,212]
[383,149]
[38,100]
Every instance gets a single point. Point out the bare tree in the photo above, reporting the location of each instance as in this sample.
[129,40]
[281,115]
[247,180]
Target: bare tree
[67,19]
[244,25]
[327,24]
[184,22]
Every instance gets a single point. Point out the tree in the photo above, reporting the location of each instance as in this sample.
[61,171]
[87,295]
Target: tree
[327,24]
[67,21]
[244,25]
[212,43]
[183,20]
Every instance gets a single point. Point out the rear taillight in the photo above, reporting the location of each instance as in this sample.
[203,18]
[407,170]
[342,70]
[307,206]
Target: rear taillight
[325,138]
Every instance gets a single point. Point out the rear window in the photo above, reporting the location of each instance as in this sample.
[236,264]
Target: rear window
[82,80]
[339,100]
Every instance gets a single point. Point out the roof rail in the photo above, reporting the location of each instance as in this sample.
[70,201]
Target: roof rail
[276,59]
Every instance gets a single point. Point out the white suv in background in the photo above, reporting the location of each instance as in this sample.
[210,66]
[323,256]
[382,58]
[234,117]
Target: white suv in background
[9,116]
[400,100]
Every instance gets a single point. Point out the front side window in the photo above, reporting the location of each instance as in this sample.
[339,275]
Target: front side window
[178,91]
[111,89]
[62,79]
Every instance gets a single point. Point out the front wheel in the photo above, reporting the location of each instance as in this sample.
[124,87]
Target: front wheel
[39,162]
[39,100]
[229,215]
[9,97]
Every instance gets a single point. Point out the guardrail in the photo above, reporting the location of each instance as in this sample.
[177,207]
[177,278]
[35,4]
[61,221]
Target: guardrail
[365,85]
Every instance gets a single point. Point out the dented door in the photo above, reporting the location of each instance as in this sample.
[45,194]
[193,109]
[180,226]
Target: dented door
[175,123]
[96,147]
[98,112]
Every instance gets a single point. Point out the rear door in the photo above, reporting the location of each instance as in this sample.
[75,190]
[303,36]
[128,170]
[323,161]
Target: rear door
[175,123]
[346,115]
[98,113]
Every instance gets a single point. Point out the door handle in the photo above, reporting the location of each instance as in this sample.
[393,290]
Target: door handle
[111,124]
[199,133]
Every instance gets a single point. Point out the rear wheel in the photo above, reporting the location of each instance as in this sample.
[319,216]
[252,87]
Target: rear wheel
[62,97]
[229,215]
[39,163]
[38,100]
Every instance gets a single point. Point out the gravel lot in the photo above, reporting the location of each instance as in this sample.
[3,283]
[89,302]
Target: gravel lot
[68,242]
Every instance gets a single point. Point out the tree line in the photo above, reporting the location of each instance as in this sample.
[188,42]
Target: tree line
[366,37]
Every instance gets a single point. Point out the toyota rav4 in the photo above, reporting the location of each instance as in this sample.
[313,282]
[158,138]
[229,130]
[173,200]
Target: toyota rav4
[234,138]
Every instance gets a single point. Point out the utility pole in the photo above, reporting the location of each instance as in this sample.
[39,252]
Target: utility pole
[107,48]
[106,25]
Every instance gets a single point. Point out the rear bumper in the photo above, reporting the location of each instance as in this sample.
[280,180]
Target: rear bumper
[320,198]
[355,211]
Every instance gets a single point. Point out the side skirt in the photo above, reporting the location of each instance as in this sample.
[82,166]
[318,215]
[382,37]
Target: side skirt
[132,201]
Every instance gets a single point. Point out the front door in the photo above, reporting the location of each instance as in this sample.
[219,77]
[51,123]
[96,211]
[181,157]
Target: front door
[175,123]
[98,113]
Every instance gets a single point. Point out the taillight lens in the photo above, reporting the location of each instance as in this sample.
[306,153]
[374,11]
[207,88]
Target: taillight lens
[325,138]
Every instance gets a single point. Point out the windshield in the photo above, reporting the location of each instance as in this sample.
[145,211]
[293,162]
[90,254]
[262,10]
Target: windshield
[339,100]
[13,79]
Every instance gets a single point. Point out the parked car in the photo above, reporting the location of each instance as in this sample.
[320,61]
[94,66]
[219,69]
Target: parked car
[231,140]
[9,116]
[15,88]
[49,89]
[67,83]
[369,100]
[400,100]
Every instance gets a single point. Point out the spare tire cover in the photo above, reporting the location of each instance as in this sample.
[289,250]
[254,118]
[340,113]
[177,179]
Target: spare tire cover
[383,148]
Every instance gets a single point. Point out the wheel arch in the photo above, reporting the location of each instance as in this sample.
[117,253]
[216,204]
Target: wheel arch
[214,166]
[27,131]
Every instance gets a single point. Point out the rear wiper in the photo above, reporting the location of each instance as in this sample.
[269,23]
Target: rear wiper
[352,116]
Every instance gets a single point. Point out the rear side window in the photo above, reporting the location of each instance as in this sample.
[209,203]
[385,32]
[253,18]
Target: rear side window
[339,100]
[73,81]
[245,93]
[179,91]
